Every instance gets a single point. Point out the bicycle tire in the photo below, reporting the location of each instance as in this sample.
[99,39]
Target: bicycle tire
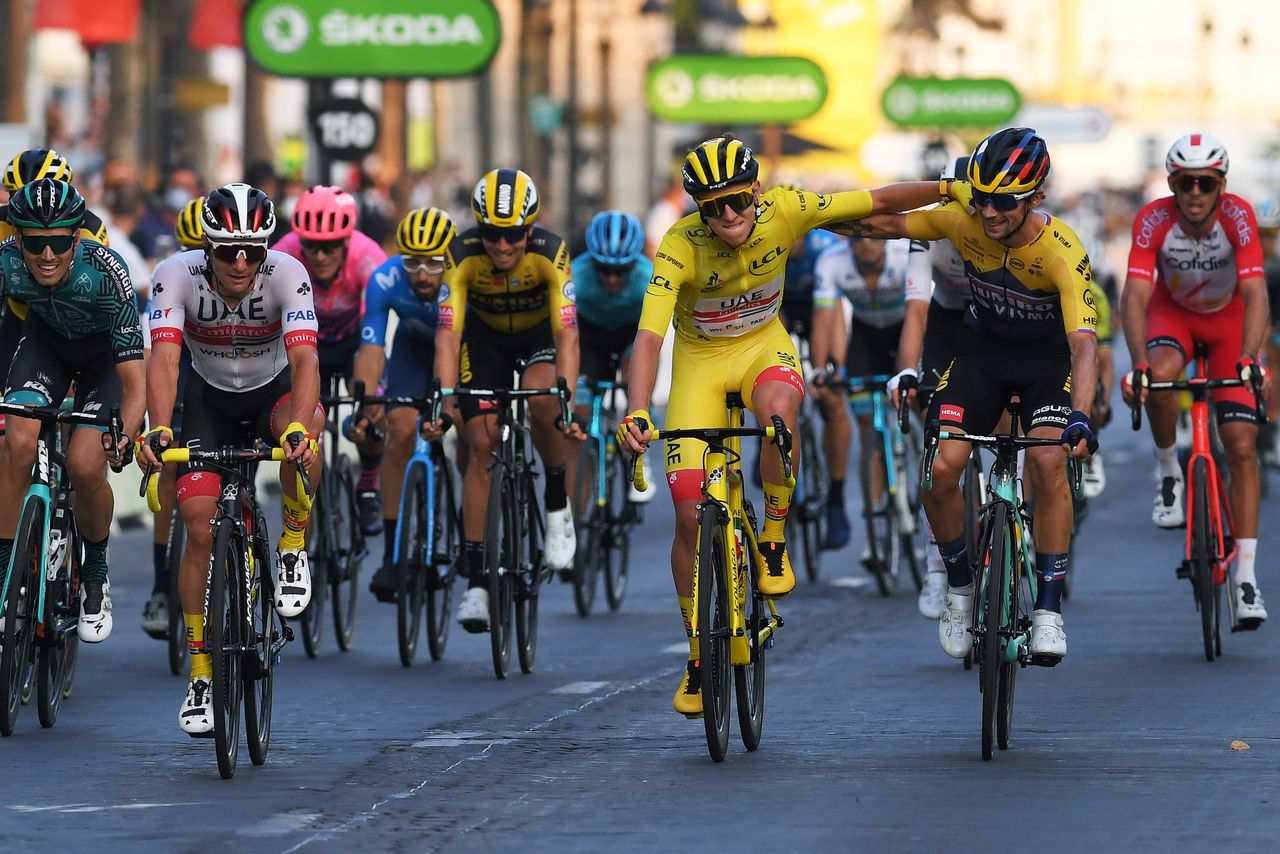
[587,557]
[621,514]
[444,563]
[528,581]
[58,649]
[881,523]
[222,639]
[748,679]
[501,553]
[76,544]
[713,629]
[1020,602]
[1202,556]
[973,498]
[348,550]
[1004,707]
[318,552]
[410,572]
[20,623]
[177,641]
[812,504]
[994,589]
[915,544]
[259,658]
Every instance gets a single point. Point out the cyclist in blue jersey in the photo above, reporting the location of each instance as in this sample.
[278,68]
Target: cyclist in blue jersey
[797,296]
[610,281]
[409,284]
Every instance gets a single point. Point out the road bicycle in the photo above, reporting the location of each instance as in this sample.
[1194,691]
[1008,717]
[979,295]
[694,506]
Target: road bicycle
[428,543]
[336,546]
[606,514]
[1210,544]
[1004,574]
[888,472]
[732,620]
[41,592]
[243,634]
[514,530]
[807,521]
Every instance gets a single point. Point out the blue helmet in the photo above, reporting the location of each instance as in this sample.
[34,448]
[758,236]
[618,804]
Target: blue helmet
[615,238]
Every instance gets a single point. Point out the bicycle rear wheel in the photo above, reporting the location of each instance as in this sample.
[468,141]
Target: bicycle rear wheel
[810,510]
[177,641]
[223,629]
[265,631]
[348,553]
[1202,557]
[713,630]
[994,587]
[320,550]
[883,538]
[444,563]
[527,582]
[501,563]
[590,524]
[915,542]
[58,651]
[748,679]
[19,612]
[621,515]
[410,570]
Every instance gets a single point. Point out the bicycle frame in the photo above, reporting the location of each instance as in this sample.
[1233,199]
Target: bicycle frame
[602,393]
[1221,524]
[886,427]
[1003,486]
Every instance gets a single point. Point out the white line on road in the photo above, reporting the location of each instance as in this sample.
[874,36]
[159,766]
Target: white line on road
[672,649]
[279,824]
[850,581]
[76,808]
[458,739]
[579,688]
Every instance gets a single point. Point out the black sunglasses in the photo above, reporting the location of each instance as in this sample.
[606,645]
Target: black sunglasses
[324,246]
[619,270]
[512,234]
[1002,202]
[1206,183]
[59,243]
[739,202]
[254,253]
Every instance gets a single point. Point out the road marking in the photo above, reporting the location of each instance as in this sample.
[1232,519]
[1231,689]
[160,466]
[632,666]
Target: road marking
[672,649]
[279,824]
[579,688]
[458,739]
[850,581]
[77,808]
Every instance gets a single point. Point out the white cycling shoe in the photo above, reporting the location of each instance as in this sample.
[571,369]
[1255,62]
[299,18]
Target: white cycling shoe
[94,625]
[561,542]
[932,600]
[1250,612]
[1094,476]
[1167,511]
[1048,638]
[155,616]
[953,627]
[196,716]
[473,611]
[634,495]
[293,582]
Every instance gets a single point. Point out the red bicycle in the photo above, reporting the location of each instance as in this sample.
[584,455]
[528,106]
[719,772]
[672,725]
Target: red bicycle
[1210,543]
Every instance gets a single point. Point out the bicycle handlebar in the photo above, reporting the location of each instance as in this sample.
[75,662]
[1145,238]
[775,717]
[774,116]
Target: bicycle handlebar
[1075,472]
[63,414]
[561,390]
[776,431]
[1254,385]
[222,457]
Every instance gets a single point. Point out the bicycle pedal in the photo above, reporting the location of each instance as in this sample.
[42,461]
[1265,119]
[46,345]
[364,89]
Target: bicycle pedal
[1045,660]
[287,634]
[696,717]
[208,734]
[1183,571]
[1248,625]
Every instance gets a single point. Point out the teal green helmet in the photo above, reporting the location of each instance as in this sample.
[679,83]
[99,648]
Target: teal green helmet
[46,203]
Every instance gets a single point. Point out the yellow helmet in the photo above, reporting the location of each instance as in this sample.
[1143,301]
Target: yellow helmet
[506,198]
[33,164]
[718,163]
[190,230]
[424,231]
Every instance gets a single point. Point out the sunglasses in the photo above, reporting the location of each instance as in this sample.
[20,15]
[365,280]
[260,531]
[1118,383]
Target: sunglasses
[229,253]
[738,202]
[1002,202]
[426,264]
[324,246]
[512,234]
[617,270]
[1206,183]
[59,243]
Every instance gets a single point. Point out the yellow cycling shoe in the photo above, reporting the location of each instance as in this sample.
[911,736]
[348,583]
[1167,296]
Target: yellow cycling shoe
[776,578]
[688,699]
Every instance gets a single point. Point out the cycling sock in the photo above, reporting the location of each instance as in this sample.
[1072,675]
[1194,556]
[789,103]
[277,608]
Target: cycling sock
[295,522]
[686,614]
[159,568]
[554,495]
[370,468]
[473,558]
[1051,571]
[389,539]
[1243,570]
[956,559]
[835,496]
[1168,460]
[933,560]
[201,661]
[94,567]
[777,501]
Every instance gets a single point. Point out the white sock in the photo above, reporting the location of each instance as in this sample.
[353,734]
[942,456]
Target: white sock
[967,590]
[1168,460]
[1242,572]
[933,560]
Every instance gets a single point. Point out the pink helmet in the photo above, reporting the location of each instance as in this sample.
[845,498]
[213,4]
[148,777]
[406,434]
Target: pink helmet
[325,213]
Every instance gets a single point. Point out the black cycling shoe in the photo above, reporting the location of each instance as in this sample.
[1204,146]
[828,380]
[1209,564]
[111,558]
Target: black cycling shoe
[383,583]
[369,504]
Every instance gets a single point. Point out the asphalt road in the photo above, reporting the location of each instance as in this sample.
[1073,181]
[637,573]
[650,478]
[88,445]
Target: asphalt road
[871,737]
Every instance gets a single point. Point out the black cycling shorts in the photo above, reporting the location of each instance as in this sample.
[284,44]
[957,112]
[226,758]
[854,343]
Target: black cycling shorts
[46,364]
[940,333]
[986,372]
[338,357]
[600,350]
[213,417]
[490,359]
[410,366]
[872,350]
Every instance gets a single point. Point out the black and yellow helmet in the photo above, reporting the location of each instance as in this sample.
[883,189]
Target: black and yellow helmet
[35,163]
[189,230]
[506,198]
[424,231]
[1013,161]
[718,163]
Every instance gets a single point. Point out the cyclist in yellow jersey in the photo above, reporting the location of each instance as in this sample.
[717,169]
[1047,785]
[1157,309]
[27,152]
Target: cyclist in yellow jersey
[512,285]
[720,273]
[1030,330]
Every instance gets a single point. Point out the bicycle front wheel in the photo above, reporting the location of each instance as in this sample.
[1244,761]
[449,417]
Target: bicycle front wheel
[748,679]
[1202,558]
[621,515]
[444,563]
[348,553]
[173,565]
[223,633]
[713,629]
[915,542]
[265,631]
[527,582]
[410,569]
[19,612]
[61,612]
[501,563]
[881,517]
[319,550]
[994,587]
[590,522]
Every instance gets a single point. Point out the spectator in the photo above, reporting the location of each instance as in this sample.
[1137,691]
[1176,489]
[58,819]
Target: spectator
[124,207]
[154,232]
[262,175]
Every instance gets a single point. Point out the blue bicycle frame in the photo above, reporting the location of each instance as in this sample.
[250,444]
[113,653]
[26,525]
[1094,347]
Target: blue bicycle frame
[421,457]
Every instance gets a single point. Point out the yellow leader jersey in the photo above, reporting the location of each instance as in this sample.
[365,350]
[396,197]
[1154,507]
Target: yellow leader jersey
[1035,293]
[717,293]
[538,289]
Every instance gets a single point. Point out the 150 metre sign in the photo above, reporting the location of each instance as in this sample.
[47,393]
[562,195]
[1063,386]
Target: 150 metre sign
[372,38]
[719,89]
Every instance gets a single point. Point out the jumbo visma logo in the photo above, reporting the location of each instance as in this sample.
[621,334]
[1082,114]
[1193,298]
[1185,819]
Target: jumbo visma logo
[373,38]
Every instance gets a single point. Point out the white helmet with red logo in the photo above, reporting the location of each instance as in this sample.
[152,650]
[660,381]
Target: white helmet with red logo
[1197,151]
